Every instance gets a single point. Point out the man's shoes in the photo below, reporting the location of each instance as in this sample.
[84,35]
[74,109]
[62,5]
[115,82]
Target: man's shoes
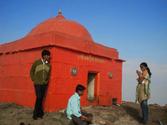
[22,123]
[41,117]
[35,117]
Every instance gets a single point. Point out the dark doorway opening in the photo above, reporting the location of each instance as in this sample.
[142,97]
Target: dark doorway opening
[91,86]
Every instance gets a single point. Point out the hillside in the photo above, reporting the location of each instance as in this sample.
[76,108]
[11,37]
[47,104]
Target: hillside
[125,114]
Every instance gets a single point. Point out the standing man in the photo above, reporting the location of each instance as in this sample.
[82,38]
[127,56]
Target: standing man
[73,110]
[40,73]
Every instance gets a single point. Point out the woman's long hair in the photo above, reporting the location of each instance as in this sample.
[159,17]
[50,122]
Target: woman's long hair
[148,69]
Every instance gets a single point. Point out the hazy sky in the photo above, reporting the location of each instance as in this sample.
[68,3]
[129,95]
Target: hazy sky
[137,28]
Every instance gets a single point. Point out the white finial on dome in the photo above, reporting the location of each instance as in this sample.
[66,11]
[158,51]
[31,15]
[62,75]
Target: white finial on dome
[59,12]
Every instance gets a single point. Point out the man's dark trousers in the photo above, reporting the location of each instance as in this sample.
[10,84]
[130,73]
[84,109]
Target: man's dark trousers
[78,121]
[40,93]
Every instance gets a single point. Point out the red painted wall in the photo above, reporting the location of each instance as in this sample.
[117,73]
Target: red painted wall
[16,86]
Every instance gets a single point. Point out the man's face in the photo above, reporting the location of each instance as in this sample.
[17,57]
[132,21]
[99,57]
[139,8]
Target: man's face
[80,93]
[46,58]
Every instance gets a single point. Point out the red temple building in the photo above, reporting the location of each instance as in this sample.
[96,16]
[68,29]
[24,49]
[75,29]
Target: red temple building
[75,58]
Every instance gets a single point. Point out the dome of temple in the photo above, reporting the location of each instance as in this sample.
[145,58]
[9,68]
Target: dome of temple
[62,25]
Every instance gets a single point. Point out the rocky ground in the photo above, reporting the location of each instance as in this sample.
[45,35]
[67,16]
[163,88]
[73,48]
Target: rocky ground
[126,114]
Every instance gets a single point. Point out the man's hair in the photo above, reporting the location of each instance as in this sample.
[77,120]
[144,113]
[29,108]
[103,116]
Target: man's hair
[45,52]
[80,88]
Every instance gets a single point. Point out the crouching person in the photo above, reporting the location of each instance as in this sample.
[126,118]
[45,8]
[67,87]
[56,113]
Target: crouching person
[73,110]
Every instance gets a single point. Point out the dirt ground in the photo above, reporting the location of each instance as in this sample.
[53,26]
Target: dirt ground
[126,114]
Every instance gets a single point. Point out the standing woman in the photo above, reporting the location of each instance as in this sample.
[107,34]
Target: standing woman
[143,89]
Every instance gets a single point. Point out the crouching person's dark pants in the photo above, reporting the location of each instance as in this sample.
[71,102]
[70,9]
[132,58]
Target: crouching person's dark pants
[40,93]
[79,121]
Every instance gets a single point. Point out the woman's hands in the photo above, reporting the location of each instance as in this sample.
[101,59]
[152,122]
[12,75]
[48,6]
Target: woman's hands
[138,73]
